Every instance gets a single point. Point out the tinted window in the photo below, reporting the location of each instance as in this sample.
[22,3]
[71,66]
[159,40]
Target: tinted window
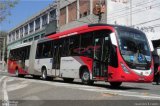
[86,45]
[44,50]
[20,53]
[74,45]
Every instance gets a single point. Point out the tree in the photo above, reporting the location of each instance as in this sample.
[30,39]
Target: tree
[5,6]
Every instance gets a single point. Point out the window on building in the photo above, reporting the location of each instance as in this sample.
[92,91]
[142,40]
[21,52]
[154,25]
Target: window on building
[44,20]
[62,20]
[30,39]
[10,39]
[72,12]
[13,36]
[25,41]
[42,35]
[36,37]
[21,32]
[17,34]
[37,24]
[31,25]
[26,30]
[84,6]
[52,15]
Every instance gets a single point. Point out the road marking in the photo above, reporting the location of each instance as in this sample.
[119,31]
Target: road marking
[2,78]
[17,86]
[98,89]
[126,93]
[5,94]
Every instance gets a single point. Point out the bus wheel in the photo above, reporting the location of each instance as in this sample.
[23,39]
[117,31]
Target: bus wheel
[68,79]
[17,73]
[115,84]
[44,74]
[36,76]
[85,77]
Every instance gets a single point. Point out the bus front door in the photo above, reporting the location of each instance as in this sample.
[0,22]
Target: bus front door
[101,54]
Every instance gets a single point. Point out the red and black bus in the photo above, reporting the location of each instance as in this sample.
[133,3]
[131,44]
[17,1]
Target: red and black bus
[96,52]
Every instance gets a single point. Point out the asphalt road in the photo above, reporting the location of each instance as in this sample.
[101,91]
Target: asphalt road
[28,91]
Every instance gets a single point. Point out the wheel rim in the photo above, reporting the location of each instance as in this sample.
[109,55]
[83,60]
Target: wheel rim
[44,74]
[16,72]
[86,76]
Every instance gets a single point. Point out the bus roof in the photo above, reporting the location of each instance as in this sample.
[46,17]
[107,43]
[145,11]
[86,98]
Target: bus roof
[21,45]
[86,27]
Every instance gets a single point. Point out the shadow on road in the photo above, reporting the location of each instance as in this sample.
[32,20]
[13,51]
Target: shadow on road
[104,85]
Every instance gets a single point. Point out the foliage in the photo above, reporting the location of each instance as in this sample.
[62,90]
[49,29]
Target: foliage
[5,7]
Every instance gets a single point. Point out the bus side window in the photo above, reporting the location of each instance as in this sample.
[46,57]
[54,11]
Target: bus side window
[39,51]
[46,49]
[65,47]
[86,43]
[74,45]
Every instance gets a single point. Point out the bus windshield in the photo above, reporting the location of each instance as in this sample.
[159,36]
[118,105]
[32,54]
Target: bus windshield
[134,47]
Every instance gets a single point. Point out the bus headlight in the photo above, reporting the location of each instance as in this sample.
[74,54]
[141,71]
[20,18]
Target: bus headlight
[125,69]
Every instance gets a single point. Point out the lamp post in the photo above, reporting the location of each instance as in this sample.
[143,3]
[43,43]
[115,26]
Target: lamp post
[130,12]
[3,52]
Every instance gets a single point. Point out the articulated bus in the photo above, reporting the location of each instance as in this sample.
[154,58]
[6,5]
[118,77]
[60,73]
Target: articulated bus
[96,52]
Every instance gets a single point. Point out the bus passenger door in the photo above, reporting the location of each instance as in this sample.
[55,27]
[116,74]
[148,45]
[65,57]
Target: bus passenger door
[101,54]
[56,59]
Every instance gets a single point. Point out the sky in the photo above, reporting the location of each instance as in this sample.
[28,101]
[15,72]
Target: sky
[22,11]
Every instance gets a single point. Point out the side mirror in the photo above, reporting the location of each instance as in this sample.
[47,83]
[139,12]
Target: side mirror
[113,39]
[150,44]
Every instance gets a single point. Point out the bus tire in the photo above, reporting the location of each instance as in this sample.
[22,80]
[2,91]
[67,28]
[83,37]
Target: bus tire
[36,76]
[49,78]
[68,80]
[44,74]
[85,77]
[17,73]
[115,84]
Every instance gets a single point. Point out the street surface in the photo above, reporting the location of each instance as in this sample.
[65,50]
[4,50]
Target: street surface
[22,90]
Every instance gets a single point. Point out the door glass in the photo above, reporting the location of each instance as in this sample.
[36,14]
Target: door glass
[101,54]
[97,48]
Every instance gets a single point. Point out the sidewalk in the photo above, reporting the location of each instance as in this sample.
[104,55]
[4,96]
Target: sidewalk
[3,71]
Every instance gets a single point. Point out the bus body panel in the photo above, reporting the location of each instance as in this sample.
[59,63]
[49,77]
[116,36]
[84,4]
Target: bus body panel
[70,66]
[119,75]
[32,58]
[46,63]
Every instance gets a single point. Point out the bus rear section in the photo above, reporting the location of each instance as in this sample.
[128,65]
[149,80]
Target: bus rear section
[18,62]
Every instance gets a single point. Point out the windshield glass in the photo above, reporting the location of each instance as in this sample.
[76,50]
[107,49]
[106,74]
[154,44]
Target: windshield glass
[134,47]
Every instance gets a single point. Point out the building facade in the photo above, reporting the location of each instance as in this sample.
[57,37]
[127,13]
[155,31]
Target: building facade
[141,14]
[66,14]
[34,28]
